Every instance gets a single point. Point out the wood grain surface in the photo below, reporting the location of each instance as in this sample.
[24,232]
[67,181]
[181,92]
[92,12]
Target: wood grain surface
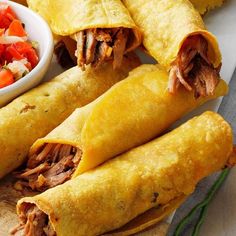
[8,199]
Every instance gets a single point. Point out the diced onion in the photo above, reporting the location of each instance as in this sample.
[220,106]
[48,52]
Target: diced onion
[11,39]
[18,68]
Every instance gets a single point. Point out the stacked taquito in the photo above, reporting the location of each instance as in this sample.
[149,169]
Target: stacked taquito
[37,112]
[131,113]
[153,176]
[175,35]
[103,29]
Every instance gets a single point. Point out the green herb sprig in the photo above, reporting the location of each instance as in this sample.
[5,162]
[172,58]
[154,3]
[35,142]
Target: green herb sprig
[203,206]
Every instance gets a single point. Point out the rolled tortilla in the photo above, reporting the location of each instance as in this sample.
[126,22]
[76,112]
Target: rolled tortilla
[204,6]
[150,176]
[175,35]
[131,113]
[103,29]
[37,112]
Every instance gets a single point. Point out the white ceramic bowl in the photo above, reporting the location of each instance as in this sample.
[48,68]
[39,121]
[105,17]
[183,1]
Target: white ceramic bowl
[39,31]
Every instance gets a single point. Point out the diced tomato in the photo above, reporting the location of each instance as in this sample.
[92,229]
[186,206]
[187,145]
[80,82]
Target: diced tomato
[16,29]
[32,57]
[15,51]
[26,50]
[22,47]
[4,21]
[6,78]
[11,16]
[2,31]
[18,51]
[2,56]
[12,53]
[7,15]
[7,9]
[7,56]
[2,49]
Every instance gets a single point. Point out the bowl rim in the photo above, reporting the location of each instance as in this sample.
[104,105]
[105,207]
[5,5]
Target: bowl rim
[46,54]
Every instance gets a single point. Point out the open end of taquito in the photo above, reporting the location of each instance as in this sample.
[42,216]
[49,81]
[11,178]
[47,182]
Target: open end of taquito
[36,219]
[197,64]
[96,45]
[52,161]
[103,30]
[51,165]
[175,35]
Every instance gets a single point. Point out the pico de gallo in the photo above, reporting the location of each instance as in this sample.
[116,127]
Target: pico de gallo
[18,55]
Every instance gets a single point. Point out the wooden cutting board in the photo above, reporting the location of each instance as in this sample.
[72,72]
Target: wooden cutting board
[8,199]
[8,217]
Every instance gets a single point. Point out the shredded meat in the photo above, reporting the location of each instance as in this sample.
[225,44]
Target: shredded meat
[119,47]
[91,44]
[193,69]
[104,35]
[33,222]
[104,51]
[63,56]
[52,165]
[80,38]
[94,46]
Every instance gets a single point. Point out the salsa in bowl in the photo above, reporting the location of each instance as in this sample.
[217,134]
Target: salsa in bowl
[26,48]
[18,55]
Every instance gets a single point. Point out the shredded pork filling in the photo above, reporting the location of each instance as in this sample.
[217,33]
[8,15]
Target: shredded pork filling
[33,222]
[63,56]
[52,165]
[192,68]
[94,46]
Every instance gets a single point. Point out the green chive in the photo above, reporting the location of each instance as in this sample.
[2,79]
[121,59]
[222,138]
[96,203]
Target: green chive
[202,205]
